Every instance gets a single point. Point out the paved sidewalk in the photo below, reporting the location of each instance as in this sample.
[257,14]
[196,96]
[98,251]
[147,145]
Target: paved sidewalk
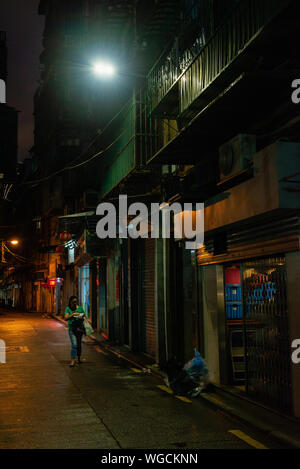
[100,404]
[284,429]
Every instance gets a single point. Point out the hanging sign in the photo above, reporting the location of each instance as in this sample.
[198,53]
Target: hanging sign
[52,282]
[65,236]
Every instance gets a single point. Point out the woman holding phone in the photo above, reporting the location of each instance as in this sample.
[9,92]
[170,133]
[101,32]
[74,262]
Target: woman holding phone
[74,314]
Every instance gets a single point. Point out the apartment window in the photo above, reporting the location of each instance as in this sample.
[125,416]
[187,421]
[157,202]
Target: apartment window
[38,223]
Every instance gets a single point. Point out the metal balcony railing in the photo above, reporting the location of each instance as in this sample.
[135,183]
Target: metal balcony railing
[223,48]
[197,26]
[208,44]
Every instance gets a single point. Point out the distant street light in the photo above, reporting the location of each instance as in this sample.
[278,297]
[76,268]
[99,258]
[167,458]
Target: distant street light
[14,242]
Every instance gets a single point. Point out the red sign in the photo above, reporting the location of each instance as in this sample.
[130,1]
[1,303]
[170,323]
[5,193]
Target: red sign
[52,282]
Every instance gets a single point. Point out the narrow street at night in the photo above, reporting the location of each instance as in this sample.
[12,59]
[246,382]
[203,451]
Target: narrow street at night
[149,229]
[100,404]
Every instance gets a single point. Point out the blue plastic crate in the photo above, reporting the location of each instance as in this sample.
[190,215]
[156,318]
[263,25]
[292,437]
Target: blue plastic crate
[234,311]
[233,293]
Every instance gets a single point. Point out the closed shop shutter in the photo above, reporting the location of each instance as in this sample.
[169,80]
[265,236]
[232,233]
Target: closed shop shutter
[267,332]
[148,294]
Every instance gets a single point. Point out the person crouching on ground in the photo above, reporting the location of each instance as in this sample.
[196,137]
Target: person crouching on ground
[74,314]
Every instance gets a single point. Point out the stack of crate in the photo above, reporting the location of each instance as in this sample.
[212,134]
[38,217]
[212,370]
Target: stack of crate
[234,301]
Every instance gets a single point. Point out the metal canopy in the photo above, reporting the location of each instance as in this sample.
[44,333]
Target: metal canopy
[77,215]
[75,222]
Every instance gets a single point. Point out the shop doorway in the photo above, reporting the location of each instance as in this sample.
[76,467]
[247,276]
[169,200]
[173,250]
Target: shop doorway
[125,300]
[257,330]
[186,323]
[142,291]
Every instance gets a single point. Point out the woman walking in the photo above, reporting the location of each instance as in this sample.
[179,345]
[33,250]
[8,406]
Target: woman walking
[74,314]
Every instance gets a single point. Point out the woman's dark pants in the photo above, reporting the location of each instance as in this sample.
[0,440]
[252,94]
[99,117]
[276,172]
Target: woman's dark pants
[75,338]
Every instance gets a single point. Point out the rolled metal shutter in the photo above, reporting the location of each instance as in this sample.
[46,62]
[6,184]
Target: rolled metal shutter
[255,240]
[148,294]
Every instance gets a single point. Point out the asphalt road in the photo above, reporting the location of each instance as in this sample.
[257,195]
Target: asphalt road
[100,404]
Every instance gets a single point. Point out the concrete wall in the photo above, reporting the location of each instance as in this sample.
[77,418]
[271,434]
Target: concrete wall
[261,194]
[214,323]
[189,306]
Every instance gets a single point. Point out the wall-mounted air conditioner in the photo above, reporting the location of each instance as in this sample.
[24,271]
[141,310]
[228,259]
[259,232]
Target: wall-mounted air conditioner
[236,155]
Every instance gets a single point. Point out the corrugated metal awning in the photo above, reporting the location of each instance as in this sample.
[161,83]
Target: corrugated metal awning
[75,223]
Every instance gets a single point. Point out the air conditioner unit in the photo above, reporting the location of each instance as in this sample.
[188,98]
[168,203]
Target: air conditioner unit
[236,155]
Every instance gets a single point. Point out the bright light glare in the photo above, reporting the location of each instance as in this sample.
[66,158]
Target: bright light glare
[14,242]
[103,69]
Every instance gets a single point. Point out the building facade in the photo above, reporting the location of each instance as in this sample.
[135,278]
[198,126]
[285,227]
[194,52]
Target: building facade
[8,176]
[213,122]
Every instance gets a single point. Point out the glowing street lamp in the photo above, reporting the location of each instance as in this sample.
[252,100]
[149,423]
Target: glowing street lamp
[100,68]
[106,70]
[103,69]
[14,242]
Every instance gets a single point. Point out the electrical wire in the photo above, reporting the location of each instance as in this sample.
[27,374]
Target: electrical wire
[99,133]
[17,256]
[7,191]
[67,168]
